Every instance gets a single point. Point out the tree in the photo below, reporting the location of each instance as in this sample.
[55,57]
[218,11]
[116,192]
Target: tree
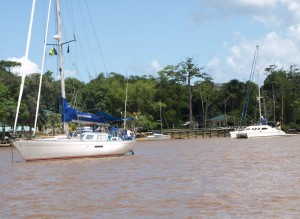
[5,107]
[8,65]
[183,73]
[293,94]
[235,93]
[73,89]
[277,81]
[9,84]
[173,96]
[208,94]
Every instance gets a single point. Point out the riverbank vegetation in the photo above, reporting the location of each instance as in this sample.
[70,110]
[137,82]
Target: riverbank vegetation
[181,99]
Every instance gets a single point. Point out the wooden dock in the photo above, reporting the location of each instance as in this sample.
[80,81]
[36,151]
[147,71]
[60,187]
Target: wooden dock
[199,133]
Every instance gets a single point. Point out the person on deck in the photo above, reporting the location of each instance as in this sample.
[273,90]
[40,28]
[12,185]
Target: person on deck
[262,121]
[279,125]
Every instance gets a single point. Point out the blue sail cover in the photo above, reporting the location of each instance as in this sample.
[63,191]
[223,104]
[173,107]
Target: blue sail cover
[110,118]
[71,114]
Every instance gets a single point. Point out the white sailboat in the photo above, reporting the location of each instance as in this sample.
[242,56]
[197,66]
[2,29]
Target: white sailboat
[262,129]
[90,145]
[257,131]
[161,135]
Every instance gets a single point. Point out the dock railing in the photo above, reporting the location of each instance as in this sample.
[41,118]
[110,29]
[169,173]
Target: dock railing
[199,133]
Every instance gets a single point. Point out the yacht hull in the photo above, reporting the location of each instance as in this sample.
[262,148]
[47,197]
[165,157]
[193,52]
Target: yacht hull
[65,149]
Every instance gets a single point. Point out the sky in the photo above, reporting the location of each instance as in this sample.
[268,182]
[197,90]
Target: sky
[139,37]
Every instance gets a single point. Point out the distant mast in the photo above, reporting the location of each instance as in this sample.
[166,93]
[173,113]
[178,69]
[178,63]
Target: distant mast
[58,37]
[160,117]
[125,105]
[259,97]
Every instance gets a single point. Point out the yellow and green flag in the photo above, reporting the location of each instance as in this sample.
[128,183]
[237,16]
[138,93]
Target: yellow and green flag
[52,52]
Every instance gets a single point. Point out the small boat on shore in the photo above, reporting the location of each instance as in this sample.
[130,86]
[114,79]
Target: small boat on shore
[158,136]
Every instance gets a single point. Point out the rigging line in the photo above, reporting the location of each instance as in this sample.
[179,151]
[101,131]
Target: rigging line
[165,120]
[71,58]
[12,154]
[78,42]
[247,98]
[88,42]
[45,121]
[64,33]
[97,39]
[71,16]
[87,110]
[75,94]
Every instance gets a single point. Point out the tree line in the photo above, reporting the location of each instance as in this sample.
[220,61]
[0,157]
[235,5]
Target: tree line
[173,91]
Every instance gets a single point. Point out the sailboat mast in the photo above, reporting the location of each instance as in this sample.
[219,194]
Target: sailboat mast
[161,128]
[61,62]
[125,105]
[259,97]
[42,69]
[25,61]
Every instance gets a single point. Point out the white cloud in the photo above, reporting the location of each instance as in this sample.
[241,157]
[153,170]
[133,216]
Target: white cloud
[273,49]
[292,5]
[156,66]
[258,3]
[152,68]
[27,67]
[213,62]
[262,11]
[279,45]
[214,69]
[149,69]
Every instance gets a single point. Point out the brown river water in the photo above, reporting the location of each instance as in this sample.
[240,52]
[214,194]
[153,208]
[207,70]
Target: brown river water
[183,178]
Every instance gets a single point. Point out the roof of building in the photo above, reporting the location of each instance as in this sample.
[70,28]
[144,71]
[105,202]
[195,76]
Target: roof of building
[220,118]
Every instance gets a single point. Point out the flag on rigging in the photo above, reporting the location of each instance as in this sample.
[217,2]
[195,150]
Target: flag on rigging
[53,52]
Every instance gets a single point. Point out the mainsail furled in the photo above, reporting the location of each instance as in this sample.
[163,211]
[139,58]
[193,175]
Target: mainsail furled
[107,117]
[71,114]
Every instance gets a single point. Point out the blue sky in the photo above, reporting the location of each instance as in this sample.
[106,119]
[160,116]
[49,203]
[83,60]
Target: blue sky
[139,37]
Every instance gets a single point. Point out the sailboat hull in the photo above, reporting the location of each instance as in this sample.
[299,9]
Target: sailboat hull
[33,150]
[257,132]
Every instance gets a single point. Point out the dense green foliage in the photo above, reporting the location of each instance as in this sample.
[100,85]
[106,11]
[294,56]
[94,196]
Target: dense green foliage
[183,73]
[280,91]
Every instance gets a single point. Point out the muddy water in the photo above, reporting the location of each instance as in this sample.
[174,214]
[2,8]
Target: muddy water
[192,178]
